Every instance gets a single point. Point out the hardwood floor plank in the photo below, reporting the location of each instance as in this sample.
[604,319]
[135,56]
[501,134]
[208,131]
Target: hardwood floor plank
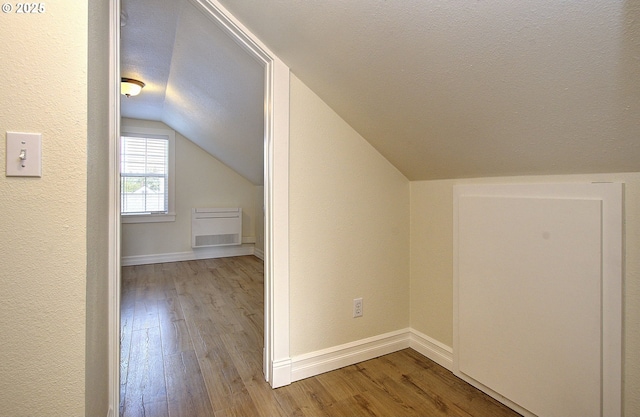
[318,397]
[153,409]
[145,314]
[128,290]
[245,354]
[264,398]
[146,379]
[148,282]
[240,404]
[357,380]
[386,406]
[175,337]
[221,376]
[406,396]
[339,383]
[126,333]
[186,392]
[349,407]
[433,378]
[288,398]
[173,326]
[200,299]
[169,307]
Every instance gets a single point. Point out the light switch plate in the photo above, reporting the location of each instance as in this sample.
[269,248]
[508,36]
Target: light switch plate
[24,154]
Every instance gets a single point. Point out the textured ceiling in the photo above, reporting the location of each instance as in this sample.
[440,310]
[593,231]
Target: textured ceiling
[443,89]
[451,89]
[198,81]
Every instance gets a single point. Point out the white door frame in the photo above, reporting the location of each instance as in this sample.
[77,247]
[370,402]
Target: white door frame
[277,361]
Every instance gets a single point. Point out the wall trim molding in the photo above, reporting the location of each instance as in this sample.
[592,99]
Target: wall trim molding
[258,253]
[325,360]
[432,349]
[281,373]
[200,253]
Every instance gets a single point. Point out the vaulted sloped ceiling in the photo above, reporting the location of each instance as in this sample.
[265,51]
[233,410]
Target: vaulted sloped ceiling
[450,89]
[443,89]
[198,81]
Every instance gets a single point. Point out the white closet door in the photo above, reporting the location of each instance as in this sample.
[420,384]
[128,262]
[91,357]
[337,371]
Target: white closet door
[530,292]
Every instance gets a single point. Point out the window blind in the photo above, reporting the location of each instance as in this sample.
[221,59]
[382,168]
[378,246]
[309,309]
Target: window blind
[144,174]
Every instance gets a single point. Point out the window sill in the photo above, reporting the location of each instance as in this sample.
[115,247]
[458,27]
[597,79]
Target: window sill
[147,218]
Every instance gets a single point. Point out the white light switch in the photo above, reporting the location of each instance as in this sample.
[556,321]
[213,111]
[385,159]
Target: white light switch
[24,154]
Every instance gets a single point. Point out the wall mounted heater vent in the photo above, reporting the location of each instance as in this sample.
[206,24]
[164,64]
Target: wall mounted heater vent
[216,227]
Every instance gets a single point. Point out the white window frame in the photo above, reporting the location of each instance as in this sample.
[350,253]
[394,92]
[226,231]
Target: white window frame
[170,216]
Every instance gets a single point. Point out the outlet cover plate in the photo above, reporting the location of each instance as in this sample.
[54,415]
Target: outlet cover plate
[357,307]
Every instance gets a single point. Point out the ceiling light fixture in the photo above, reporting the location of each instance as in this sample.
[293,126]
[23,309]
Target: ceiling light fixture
[130,87]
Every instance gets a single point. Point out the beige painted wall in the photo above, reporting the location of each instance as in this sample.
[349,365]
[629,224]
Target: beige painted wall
[201,181]
[97,320]
[349,231]
[432,264]
[43,247]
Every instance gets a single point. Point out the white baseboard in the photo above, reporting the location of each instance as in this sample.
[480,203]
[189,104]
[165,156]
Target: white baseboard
[200,253]
[432,349]
[258,253]
[281,373]
[315,363]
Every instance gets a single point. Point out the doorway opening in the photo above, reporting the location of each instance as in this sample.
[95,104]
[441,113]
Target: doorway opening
[276,361]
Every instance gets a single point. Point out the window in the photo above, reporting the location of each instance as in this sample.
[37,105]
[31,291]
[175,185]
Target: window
[146,175]
[144,179]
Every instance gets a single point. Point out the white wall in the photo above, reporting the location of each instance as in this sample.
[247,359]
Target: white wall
[43,245]
[259,206]
[349,231]
[432,264]
[201,181]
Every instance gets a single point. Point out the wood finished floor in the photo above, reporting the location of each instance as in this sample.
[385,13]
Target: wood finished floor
[191,345]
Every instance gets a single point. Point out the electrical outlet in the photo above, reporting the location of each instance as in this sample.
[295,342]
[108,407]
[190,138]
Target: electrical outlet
[357,307]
